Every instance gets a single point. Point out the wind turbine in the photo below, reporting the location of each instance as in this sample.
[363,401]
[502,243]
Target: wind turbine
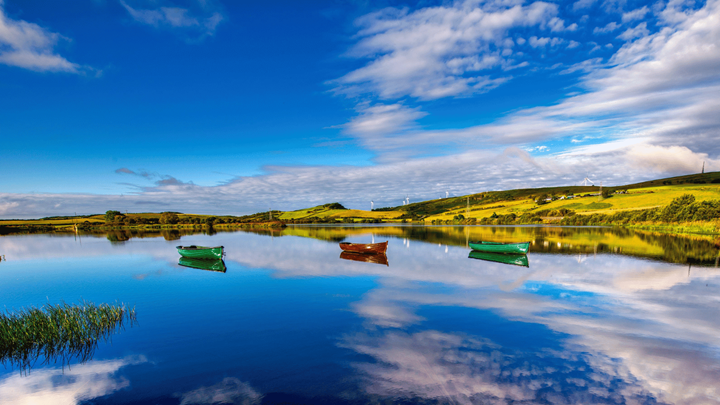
[586,180]
[372,205]
[447,194]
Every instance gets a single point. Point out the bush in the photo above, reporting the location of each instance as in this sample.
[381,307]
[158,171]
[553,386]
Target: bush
[110,215]
[169,218]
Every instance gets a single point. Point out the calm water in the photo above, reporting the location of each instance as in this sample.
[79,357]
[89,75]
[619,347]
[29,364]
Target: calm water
[599,316]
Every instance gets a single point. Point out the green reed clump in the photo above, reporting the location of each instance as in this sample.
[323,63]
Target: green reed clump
[59,332]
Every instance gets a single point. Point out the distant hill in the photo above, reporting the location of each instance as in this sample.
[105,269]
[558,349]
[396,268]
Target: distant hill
[541,202]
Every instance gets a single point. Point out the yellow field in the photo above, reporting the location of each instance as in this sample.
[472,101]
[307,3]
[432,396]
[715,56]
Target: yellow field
[636,199]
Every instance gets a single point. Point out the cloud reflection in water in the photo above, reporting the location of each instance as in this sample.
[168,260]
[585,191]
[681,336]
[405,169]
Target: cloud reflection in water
[633,331]
[70,386]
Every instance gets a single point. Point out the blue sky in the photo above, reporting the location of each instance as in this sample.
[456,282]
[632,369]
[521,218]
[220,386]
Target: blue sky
[233,107]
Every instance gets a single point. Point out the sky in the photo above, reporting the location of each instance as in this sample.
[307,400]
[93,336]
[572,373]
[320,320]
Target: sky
[218,107]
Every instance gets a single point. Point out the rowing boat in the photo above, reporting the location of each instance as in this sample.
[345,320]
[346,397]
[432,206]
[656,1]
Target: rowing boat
[364,247]
[498,247]
[515,259]
[201,252]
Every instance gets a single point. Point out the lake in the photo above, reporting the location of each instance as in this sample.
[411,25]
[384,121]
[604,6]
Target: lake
[599,315]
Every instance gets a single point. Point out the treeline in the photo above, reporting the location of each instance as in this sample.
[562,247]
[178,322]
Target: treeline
[25,229]
[116,218]
[527,218]
[681,209]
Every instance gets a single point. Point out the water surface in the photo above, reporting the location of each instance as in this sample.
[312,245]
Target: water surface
[599,316]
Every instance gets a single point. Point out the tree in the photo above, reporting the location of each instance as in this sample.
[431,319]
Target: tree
[110,215]
[169,218]
[606,193]
[209,221]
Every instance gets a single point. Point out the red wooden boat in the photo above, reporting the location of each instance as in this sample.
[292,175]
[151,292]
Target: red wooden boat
[372,248]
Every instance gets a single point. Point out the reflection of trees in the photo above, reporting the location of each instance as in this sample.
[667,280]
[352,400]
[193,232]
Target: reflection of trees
[556,240]
[170,234]
[118,236]
[59,332]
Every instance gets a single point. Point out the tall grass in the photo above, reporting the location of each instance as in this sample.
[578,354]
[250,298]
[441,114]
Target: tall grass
[59,332]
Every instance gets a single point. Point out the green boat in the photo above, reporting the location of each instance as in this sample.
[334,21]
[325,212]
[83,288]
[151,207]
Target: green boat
[515,259]
[498,247]
[201,252]
[203,264]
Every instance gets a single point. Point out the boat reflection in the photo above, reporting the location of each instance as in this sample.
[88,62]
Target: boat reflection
[379,258]
[203,264]
[517,260]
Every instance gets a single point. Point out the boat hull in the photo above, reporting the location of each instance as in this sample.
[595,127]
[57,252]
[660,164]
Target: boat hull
[372,248]
[203,264]
[514,259]
[506,248]
[201,252]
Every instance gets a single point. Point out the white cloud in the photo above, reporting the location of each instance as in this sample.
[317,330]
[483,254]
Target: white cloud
[202,20]
[573,44]
[536,42]
[636,14]
[638,32]
[30,46]
[608,28]
[541,148]
[433,52]
[382,119]
[582,4]
[677,159]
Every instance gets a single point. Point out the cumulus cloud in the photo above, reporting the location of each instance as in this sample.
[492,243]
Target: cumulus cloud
[536,42]
[638,32]
[608,28]
[662,86]
[678,159]
[201,19]
[582,4]
[30,46]
[636,14]
[437,52]
[573,45]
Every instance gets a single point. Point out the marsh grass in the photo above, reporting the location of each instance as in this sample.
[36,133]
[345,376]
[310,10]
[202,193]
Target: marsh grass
[59,333]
